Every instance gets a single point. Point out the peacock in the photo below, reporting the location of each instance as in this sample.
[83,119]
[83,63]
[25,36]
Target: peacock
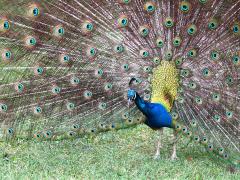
[70,68]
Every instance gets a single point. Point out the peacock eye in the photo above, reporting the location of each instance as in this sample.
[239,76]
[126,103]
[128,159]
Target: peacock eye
[210,147]
[125,115]
[3,108]
[236,28]
[156,60]
[216,97]
[39,71]
[37,110]
[113,126]
[147,97]
[180,99]
[236,59]
[178,127]
[30,42]
[203,1]
[75,80]
[184,6]
[179,61]
[125,1]
[36,11]
[221,150]
[19,87]
[38,135]
[192,29]
[143,31]
[138,81]
[149,7]
[87,27]
[198,100]
[225,156]
[192,85]
[119,48]
[72,133]
[184,129]
[102,105]
[56,90]
[159,42]
[10,131]
[205,139]
[217,118]
[108,86]
[125,67]
[76,126]
[192,53]
[168,55]
[180,90]
[48,134]
[70,106]
[229,114]
[177,41]
[189,133]
[58,31]
[91,52]
[194,123]
[123,21]
[229,80]
[196,138]
[99,73]
[206,72]
[214,55]
[144,53]
[5,25]
[169,22]
[147,69]
[213,24]
[66,58]
[6,55]
[174,115]
[87,94]
[93,130]
[185,73]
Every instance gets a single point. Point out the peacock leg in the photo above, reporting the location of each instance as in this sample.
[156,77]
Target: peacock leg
[159,145]
[174,153]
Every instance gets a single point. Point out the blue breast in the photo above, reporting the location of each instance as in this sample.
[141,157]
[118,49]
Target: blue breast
[156,114]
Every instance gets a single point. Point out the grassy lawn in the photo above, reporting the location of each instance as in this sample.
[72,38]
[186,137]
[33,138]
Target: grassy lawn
[123,154]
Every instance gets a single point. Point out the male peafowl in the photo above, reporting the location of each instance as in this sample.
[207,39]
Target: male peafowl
[65,68]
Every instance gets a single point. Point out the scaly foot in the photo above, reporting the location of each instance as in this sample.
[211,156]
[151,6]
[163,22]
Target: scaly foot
[174,157]
[156,156]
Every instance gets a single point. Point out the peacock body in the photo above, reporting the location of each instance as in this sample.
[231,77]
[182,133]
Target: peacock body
[65,67]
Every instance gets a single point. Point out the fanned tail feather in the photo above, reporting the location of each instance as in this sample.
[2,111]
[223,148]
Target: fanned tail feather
[66,66]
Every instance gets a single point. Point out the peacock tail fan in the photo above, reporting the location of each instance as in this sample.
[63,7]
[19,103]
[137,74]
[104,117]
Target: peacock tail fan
[66,66]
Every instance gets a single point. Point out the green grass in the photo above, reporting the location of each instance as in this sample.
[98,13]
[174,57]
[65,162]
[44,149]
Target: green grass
[123,154]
